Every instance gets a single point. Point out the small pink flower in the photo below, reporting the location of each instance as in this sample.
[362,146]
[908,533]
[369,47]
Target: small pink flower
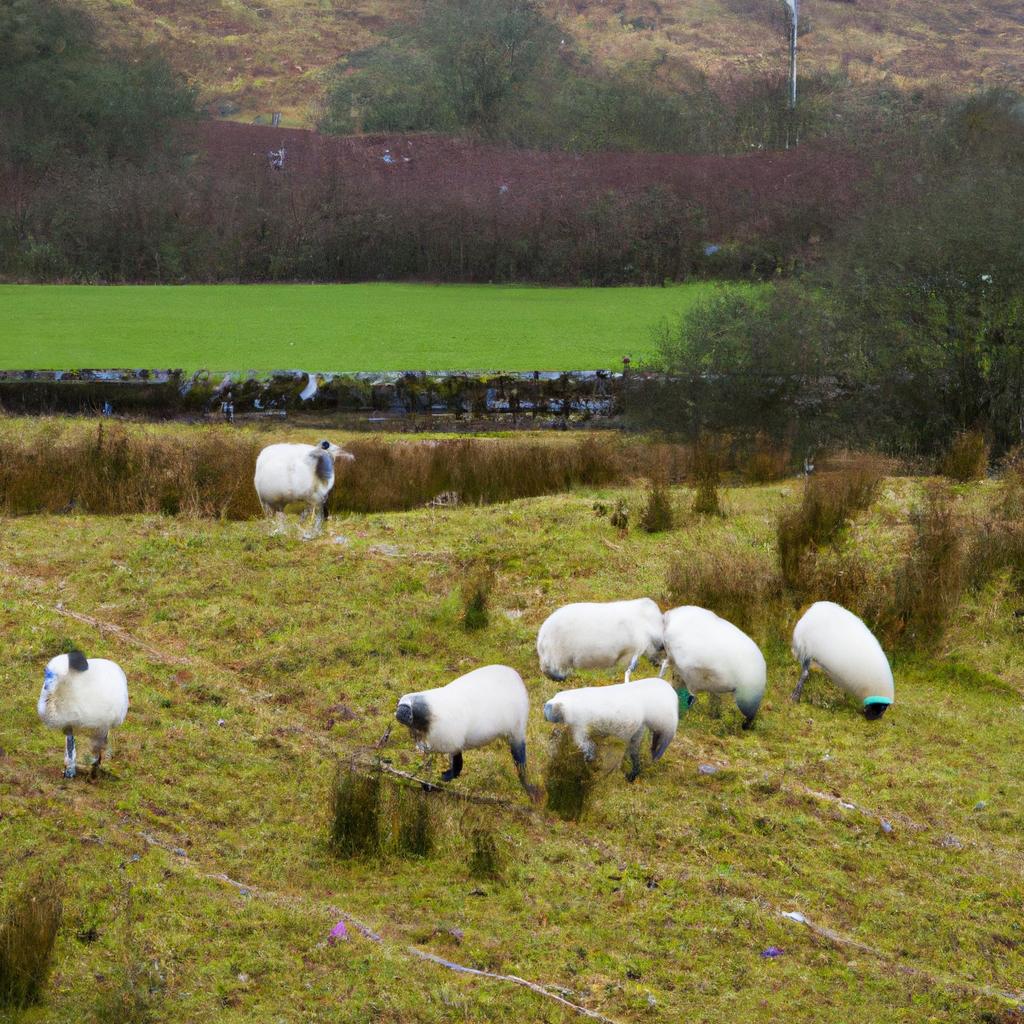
[339,933]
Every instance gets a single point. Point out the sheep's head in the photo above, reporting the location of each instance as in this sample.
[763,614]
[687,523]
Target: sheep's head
[414,711]
[335,451]
[60,667]
[553,711]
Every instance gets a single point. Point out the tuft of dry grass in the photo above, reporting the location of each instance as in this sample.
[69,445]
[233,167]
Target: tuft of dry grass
[656,514]
[28,930]
[729,577]
[931,580]
[967,457]
[476,591]
[569,778]
[355,829]
[830,498]
[766,461]
[708,458]
[414,827]
[485,856]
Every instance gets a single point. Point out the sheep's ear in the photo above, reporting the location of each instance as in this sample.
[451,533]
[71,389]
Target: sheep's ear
[77,661]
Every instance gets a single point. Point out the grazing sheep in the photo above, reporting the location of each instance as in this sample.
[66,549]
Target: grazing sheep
[838,642]
[599,635]
[711,655]
[487,704]
[288,474]
[623,710]
[91,696]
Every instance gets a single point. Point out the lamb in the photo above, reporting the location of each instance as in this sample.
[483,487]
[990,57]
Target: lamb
[622,710]
[88,695]
[487,704]
[711,655]
[289,474]
[599,635]
[837,641]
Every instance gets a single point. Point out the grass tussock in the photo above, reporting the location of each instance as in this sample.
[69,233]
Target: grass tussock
[656,513]
[729,577]
[134,995]
[476,591]
[997,541]
[414,826]
[967,457]
[766,461]
[569,778]
[486,861]
[931,580]
[28,930]
[830,499]
[706,471]
[355,821]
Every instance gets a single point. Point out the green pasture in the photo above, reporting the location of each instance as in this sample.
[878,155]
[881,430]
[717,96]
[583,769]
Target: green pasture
[197,877]
[348,327]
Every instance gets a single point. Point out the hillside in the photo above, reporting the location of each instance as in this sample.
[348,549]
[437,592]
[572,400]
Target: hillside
[250,57]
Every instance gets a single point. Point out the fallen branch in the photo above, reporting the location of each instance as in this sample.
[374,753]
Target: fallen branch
[120,633]
[513,979]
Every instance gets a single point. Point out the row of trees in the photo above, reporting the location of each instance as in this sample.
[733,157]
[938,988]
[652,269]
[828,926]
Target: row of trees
[911,326]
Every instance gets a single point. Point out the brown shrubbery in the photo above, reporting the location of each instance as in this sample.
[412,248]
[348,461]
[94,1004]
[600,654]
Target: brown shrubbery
[830,498]
[966,458]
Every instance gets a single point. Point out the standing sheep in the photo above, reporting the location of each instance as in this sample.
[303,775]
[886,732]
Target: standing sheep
[623,710]
[837,641]
[288,474]
[711,655]
[487,704]
[91,696]
[599,635]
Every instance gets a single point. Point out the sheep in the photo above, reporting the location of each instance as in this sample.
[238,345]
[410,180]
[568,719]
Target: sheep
[289,474]
[837,641]
[599,635]
[711,655]
[623,710]
[88,695]
[487,704]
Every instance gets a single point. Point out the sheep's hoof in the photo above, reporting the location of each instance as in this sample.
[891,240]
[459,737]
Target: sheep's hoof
[69,773]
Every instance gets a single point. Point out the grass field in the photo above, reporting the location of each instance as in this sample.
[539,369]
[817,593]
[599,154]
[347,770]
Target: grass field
[332,327]
[197,872]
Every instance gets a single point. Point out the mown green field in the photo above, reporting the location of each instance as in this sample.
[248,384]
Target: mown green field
[198,878]
[353,327]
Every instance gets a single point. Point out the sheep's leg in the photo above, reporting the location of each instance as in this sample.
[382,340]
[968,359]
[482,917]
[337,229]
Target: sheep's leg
[455,769]
[806,664]
[586,745]
[99,744]
[664,666]
[69,754]
[317,512]
[659,744]
[632,667]
[518,749]
[634,754]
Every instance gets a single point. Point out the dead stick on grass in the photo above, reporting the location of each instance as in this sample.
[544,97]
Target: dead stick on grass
[513,978]
[119,632]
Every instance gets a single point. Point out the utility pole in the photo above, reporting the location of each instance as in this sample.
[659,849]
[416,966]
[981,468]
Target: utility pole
[794,28]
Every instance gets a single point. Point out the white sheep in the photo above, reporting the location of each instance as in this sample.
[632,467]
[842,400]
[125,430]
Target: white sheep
[487,704]
[599,635]
[837,641]
[292,474]
[622,710]
[88,695]
[711,655]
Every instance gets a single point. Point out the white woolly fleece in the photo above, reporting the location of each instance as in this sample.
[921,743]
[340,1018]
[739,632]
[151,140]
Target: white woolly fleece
[598,635]
[92,702]
[711,655]
[287,473]
[487,704]
[621,710]
[838,642]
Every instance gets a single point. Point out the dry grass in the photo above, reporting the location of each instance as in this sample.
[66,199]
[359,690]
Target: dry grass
[485,855]
[569,778]
[829,500]
[766,461]
[966,458]
[355,827]
[731,578]
[28,930]
[476,590]
[656,513]
[708,460]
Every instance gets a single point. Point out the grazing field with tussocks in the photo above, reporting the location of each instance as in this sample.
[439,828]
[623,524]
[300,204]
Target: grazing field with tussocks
[356,327]
[197,876]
